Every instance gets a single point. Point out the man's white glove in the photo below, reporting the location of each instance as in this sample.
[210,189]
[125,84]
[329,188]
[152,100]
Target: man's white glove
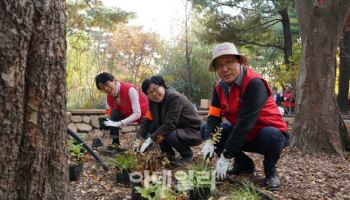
[146,144]
[208,149]
[112,123]
[137,145]
[221,167]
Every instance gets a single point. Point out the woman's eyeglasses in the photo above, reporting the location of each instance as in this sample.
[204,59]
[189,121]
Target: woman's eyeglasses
[153,91]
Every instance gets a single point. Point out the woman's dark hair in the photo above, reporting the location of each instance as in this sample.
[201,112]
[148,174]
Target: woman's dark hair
[103,78]
[158,80]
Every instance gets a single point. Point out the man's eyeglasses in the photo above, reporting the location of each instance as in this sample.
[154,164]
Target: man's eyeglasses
[153,91]
[226,64]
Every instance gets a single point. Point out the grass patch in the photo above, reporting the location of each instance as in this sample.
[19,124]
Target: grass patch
[245,192]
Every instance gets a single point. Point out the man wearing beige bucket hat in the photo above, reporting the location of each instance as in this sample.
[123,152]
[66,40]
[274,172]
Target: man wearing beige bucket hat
[253,122]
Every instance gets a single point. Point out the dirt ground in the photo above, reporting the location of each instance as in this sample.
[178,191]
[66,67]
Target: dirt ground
[304,176]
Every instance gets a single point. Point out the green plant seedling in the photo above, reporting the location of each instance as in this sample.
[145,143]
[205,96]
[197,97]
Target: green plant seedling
[76,152]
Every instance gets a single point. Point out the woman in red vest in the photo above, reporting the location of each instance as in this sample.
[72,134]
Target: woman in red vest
[125,104]
[253,124]
[289,100]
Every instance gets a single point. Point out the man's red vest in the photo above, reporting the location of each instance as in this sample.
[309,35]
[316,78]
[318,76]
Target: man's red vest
[269,115]
[125,103]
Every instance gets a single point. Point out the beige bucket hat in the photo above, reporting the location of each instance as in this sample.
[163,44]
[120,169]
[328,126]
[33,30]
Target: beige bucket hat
[225,48]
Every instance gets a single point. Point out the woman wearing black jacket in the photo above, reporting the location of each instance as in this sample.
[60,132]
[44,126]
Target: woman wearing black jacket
[172,121]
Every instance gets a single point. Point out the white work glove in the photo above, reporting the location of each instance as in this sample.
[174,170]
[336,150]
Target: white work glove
[137,145]
[208,149]
[221,167]
[112,123]
[146,144]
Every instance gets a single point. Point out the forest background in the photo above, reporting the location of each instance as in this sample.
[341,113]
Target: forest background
[100,39]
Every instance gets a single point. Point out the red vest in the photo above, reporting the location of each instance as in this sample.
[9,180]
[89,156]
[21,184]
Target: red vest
[288,100]
[269,115]
[125,103]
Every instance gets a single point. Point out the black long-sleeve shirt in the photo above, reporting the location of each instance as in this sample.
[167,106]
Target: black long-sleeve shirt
[253,100]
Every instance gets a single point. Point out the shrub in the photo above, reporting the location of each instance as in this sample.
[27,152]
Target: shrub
[126,160]
[76,152]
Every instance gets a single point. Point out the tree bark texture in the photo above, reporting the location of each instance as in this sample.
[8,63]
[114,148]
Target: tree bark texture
[318,125]
[344,69]
[33,131]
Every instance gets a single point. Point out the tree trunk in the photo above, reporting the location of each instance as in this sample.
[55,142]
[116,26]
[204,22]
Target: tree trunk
[32,100]
[188,52]
[318,125]
[344,69]
[288,43]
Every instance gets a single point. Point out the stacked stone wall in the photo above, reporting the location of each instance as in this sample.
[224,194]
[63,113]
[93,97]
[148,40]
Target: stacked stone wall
[85,122]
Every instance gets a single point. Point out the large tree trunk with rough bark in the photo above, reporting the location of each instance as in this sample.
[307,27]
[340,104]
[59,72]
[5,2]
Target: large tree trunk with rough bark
[318,125]
[33,129]
[344,69]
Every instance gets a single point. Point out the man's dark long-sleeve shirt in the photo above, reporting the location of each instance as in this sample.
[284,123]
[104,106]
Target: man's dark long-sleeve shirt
[253,100]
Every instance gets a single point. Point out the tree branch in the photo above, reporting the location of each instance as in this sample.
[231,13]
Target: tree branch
[265,23]
[231,5]
[270,25]
[258,44]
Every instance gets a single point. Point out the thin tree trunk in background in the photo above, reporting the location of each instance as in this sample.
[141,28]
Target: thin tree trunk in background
[288,42]
[344,69]
[188,53]
[318,125]
[32,100]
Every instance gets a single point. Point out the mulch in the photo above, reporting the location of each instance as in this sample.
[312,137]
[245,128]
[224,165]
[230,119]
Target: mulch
[303,176]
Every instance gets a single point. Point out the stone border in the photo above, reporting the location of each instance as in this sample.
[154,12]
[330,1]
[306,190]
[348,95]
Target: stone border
[85,122]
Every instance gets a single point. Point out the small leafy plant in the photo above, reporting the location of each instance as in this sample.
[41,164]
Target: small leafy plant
[154,160]
[127,160]
[201,180]
[76,152]
[203,176]
[157,192]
